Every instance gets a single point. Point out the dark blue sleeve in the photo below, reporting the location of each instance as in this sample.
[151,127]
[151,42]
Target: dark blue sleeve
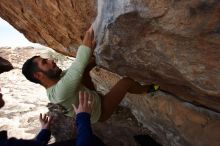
[84,135]
[43,136]
[4,141]
[18,142]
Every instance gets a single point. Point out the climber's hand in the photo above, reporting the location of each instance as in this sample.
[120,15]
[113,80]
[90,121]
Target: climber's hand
[89,38]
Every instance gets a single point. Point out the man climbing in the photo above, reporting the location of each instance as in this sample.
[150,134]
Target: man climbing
[63,88]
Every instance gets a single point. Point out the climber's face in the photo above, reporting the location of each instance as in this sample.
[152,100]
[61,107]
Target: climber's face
[48,67]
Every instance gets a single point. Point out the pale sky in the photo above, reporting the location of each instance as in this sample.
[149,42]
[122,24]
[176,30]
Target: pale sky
[10,37]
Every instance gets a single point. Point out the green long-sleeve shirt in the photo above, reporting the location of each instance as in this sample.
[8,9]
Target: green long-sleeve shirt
[66,91]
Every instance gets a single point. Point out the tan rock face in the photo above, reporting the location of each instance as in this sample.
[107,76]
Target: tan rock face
[58,24]
[176,123]
[172,43]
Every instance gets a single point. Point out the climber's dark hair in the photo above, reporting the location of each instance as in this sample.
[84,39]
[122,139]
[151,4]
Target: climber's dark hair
[29,68]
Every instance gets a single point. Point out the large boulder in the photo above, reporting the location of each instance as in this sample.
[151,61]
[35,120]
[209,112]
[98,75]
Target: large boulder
[172,43]
[176,123]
